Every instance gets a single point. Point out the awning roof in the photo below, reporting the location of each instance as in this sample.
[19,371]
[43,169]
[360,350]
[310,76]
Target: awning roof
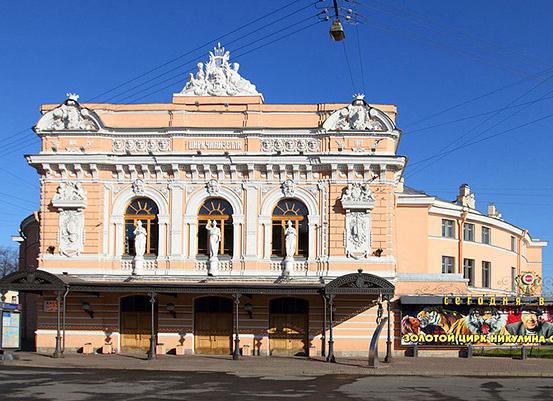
[39,280]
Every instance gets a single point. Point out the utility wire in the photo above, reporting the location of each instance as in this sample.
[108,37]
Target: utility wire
[546,117]
[179,67]
[410,33]
[180,76]
[360,56]
[425,21]
[485,121]
[349,65]
[193,50]
[484,113]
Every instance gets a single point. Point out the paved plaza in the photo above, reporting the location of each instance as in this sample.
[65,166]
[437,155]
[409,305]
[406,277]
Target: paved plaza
[131,377]
[79,384]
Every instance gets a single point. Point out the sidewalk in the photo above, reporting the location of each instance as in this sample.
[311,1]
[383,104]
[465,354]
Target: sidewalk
[280,366]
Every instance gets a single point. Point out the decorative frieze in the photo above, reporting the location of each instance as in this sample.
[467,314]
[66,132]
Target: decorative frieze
[290,145]
[141,145]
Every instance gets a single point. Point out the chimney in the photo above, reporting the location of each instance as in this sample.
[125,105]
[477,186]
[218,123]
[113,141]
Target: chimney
[465,197]
[493,212]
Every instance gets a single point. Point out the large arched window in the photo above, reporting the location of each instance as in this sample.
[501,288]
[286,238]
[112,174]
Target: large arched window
[146,211]
[220,211]
[295,211]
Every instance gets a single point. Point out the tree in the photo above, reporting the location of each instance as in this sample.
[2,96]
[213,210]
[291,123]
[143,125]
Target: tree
[8,260]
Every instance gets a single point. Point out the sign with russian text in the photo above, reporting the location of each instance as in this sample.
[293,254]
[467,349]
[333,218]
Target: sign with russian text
[10,330]
[478,321]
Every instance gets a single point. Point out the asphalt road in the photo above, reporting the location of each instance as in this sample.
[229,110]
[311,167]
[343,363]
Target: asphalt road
[91,384]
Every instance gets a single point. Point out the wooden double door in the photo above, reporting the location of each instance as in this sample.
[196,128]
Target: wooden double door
[136,323]
[288,327]
[213,325]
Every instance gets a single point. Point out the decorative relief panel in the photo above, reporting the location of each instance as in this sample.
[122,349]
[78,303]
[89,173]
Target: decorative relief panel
[141,145]
[290,145]
[358,234]
[71,228]
[288,188]
[358,201]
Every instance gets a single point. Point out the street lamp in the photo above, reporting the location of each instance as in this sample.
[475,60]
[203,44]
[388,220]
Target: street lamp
[337,31]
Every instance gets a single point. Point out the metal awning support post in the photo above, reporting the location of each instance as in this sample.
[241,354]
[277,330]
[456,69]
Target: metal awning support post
[330,357]
[63,321]
[153,342]
[388,357]
[236,352]
[323,336]
[57,351]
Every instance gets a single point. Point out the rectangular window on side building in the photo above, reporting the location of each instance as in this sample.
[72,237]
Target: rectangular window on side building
[448,264]
[468,232]
[486,235]
[513,279]
[513,244]
[448,230]
[486,274]
[468,271]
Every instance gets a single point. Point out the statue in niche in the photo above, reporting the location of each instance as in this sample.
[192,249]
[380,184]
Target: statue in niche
[290,236]
[139,239]
[214,234]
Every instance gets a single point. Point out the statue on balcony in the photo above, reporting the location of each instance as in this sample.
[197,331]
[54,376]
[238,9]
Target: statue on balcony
[140,236]
[290,242]
[214,235]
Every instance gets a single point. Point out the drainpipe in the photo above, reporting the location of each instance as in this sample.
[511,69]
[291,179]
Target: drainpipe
[519,249]
[460,223]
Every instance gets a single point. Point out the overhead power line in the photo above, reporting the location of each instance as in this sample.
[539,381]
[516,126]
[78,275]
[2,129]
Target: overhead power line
[202,46]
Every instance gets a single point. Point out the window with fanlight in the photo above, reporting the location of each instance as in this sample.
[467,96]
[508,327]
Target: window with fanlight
[145,210]
[220,211]
[294,211]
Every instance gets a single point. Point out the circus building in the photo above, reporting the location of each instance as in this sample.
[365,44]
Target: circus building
[218,223]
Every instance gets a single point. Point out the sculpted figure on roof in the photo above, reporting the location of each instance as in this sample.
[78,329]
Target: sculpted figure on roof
[358,116]
[218,78]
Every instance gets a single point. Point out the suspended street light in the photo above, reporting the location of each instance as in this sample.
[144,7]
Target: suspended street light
[336,30]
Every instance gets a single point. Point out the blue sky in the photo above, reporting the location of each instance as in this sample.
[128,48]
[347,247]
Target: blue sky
[424,56]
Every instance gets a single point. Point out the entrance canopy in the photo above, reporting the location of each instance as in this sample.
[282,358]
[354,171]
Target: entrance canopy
[33,280]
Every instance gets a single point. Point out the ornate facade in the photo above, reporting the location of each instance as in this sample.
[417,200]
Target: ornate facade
[316,229]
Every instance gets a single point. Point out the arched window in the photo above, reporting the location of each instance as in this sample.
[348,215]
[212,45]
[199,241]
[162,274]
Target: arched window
[146,211]
[295,211]
[219,211]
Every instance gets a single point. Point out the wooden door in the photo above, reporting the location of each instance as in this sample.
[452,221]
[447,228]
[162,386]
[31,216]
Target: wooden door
[135,331]
[213,333]
[288,334]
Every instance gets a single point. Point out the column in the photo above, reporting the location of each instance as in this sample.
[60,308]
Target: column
[251,221]
[236,352]
[153,342]
[330,357]
[176,214]
[57,352]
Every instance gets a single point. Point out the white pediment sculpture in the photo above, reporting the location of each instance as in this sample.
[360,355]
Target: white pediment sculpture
[70,116]
[218,77]
[69,195]
[358,116]
[357,195]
